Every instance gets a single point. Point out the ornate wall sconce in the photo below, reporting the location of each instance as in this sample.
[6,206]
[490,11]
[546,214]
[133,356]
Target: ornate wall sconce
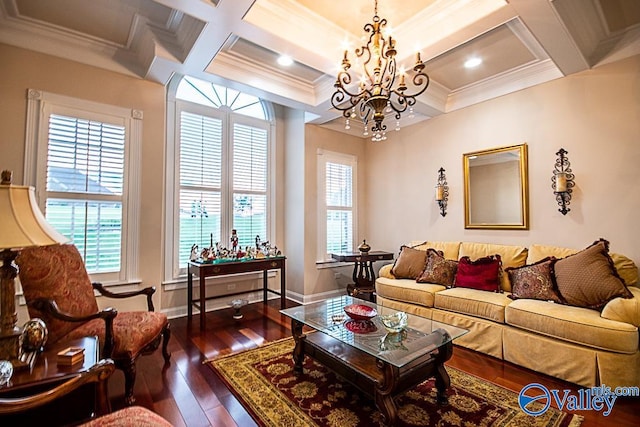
[562,181]
[442,192]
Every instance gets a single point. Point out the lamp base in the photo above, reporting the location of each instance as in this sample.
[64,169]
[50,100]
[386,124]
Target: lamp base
[10,345]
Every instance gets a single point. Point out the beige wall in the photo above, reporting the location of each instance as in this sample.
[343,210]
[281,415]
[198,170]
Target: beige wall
[21,69]
[322,281]
[594,115]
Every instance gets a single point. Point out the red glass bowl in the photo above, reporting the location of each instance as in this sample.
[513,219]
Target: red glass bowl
[360,326]
[360,311]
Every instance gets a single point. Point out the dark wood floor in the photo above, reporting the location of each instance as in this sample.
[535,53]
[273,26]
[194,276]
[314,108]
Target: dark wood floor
[188,393]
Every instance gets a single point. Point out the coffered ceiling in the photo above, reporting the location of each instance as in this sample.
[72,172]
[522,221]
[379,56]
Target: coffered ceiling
[237,42]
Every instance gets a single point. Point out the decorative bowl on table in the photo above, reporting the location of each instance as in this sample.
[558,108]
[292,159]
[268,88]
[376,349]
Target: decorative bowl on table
[395,322]
[360,311]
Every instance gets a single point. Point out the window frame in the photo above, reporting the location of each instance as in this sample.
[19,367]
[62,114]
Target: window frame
[324,157]
[172,271]
[40,105]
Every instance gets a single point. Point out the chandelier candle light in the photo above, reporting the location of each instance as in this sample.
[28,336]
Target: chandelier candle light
[377,92]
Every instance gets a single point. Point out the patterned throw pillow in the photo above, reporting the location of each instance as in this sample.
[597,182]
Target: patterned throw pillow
[588,278]
[534,281]
[482,274]
[439,270]
[409,264]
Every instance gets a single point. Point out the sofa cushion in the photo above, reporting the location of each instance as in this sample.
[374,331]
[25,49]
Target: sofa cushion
[573,324]
[407,290]
[511,256]
[534,281]
[482,274]
[588,278]
[438,270]
[409,263]
[450,250]
[486,305]
[625,267]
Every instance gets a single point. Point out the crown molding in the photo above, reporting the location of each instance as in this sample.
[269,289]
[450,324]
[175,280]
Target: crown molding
[265,78]
[526,76]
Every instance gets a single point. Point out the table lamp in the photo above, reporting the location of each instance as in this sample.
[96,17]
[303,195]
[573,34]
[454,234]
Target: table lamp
[21,225]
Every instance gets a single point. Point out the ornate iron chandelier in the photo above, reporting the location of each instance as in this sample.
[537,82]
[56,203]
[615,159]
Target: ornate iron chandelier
[377,94]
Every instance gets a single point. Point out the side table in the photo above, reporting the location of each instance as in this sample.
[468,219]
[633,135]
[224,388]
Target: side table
[82,404]
[364,278]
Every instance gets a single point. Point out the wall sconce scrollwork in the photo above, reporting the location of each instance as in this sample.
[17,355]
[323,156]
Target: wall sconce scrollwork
[442,192]
[562,181]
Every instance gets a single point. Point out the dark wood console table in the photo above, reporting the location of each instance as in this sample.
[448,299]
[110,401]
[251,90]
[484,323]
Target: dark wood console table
[212,269]
[364,278]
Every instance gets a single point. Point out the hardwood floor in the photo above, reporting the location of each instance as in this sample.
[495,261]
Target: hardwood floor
[188,393]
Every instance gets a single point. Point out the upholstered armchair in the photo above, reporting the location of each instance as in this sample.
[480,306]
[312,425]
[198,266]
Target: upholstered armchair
[58,290]
[130,416]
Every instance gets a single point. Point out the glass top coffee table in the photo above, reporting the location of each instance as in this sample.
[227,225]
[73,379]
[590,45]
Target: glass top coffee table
[379,363]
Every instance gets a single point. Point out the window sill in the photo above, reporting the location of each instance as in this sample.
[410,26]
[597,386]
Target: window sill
[331,264]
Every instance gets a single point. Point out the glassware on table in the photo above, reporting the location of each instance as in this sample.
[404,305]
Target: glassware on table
[6,371]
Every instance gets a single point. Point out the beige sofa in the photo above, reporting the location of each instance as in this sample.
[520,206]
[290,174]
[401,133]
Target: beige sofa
[579,345]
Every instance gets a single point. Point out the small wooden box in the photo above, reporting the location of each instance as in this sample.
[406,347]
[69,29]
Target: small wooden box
[71,356]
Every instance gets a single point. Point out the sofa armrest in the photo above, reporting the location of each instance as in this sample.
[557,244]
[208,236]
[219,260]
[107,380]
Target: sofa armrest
[385,271]
[624,309]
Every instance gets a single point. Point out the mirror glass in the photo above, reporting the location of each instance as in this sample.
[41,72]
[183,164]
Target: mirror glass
[495,188]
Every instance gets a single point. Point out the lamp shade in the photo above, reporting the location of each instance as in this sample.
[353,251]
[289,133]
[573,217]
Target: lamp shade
[21,222]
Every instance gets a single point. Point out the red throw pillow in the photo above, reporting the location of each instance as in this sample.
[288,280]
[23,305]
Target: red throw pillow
[482,274]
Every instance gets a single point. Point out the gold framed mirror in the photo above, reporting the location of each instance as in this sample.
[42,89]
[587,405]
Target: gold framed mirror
[495,189]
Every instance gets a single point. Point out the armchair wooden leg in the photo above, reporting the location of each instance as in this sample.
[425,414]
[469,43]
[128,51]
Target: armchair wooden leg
[129,369]
[166,334]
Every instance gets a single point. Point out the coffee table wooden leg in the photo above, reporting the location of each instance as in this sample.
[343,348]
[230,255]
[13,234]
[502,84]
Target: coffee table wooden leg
[442,384]
[298,351]
[383,394]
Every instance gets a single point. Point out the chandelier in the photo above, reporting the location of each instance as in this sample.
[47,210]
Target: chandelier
[377,93]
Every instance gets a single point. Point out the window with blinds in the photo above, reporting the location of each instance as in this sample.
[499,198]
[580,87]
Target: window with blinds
[339,200]
[337,208]
[222,174]
[249,183]
[200,207]
[84,185]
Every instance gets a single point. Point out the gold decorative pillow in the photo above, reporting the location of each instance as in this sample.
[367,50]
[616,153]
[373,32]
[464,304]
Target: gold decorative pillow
[588,278]
[410,263]
[438,269]
[534,281]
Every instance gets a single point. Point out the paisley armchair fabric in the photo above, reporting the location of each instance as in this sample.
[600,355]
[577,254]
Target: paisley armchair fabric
[58,290]
[57,273]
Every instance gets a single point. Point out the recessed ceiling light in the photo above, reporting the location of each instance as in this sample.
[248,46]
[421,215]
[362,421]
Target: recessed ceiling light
[285,60]
[472,62]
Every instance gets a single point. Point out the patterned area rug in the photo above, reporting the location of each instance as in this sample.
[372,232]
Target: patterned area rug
[263,380]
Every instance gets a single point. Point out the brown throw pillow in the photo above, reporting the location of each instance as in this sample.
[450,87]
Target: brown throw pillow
[438,270]
[588,278]
[534,281]
[409,264]
[482,274]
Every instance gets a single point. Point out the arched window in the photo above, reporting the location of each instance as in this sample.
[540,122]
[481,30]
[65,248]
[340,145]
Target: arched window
[221,169]
[216,96]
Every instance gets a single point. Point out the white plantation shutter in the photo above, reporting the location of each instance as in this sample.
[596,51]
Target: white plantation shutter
[337,207]
[250,162]
[84,185]
[200,206]
[339,202]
